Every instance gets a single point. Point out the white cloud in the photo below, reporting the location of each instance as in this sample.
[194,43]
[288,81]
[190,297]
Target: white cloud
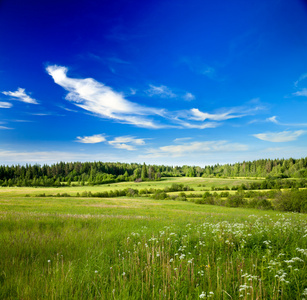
[185,124]
[126,142]
[201,116]
[273,120]
[161,91]
[21,95]
[188,97]
[303,92]
[5,105]
[280,137]
[5,127]
[200,148]
[94,139]
[101,100]
[121,142]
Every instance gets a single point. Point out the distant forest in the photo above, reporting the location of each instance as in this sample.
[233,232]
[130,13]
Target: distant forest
[91,173]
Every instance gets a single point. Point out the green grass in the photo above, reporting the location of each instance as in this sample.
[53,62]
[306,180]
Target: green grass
[138,248]
[197,183]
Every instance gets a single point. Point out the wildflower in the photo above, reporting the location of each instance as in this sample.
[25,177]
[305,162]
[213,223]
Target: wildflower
[182,256]
[124,274]
[202,295]
[96,271]
[49,260]
[171,260]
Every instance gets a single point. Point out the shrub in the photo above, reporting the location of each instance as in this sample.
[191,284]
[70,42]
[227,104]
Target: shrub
[235,200]
[84,194]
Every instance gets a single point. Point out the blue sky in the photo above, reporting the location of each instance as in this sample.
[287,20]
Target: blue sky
[162,82]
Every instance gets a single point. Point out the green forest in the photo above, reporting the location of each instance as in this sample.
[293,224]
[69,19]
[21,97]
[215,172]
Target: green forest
[92,173]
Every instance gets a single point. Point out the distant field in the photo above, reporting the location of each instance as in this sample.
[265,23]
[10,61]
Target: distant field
[139,248]
[197,183]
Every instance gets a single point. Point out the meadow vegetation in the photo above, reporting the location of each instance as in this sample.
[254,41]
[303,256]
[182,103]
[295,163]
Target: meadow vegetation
[69,246]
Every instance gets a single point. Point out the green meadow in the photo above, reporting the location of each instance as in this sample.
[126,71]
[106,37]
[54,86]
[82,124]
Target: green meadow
[140,248]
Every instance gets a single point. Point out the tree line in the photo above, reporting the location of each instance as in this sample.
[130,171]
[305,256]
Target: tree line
[92,173]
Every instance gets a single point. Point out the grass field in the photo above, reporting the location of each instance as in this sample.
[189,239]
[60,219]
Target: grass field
[197,183]
[138,248]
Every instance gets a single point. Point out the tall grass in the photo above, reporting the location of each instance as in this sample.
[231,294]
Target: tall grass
[222,253]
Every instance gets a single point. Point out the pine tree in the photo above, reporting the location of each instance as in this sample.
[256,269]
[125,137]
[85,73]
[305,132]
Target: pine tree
[144,173]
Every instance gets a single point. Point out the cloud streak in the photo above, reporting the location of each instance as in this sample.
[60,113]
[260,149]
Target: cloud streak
[304,76]
[302,92]
[275,121]
[280,137]
[102,100]
[193,148]
[161,91]
[5,105]
[202,116]
[21,95]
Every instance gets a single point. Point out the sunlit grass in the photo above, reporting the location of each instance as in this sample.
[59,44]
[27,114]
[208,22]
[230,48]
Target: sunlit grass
[139,248]
[197,183]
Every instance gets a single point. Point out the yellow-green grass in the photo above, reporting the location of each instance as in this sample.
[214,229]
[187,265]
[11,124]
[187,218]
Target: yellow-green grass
[139,248]
[197,183]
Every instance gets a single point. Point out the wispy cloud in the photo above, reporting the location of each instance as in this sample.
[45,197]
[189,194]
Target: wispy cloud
[102,100]
[9,156]
[5,105]
[225,114]
[94,139]
[188,97]
[67,109]
[165,92]
[202,147]
[194,118]
[20,95]
[302,92]
[185,124]
[272,119]
[5,127]
[118,60]
[280,137]
[302,77]
[161,91]
[202,116]
[126,142]
[179,140]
